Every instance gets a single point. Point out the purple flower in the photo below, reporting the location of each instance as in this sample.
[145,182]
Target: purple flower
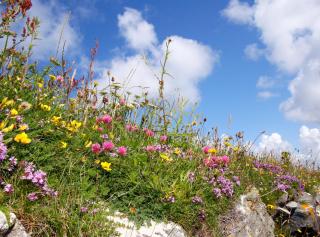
[191,177]
[197,200]
[217,192]
[13,163]
[3,151]
[8,188]
[83,209]
[236,179]
[202,215]
[32,197]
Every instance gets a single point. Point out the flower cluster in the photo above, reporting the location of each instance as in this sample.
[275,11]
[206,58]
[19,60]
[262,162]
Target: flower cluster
[216,161]
[275,169]
[285,182]
[224,186]
[39,179]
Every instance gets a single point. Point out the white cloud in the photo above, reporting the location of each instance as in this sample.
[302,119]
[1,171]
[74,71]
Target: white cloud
[189,60]
[274,143]
[290,31]
[304,103]
[239,12]
[265,82]
[253,52]
[266,95]
[139,34]
[310,144]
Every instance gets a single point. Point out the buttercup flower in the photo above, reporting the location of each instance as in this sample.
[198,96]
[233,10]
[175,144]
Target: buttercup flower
[106,166]
[74,126]
[13,112]
[45,107]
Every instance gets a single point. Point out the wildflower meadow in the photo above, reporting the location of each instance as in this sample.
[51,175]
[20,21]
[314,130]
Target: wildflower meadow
[71,154]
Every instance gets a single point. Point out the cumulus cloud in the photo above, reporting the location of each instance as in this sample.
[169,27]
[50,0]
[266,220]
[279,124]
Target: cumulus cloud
[54,23]
[239,12]
[290,31]
[273,143]
[189,60]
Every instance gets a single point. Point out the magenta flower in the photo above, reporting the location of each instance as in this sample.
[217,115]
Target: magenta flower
[107,146]
[3,151]
[151,148]
[8,188]
[131,128]
[83,209]
[225,160]
[206,149]
[32,197]
[122,151]
[59,79]
[148,132]
[96,148]
[106,119]
[163,138]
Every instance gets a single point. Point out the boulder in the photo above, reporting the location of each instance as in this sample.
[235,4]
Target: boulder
[11,226]
[125,227]
[249,217]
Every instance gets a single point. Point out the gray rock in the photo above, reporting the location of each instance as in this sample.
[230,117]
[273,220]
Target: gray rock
[4,225]
[249,217]
[18,230]
[305,197]
[292,205]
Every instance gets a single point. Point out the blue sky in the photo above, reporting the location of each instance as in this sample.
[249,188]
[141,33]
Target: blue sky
[241,41]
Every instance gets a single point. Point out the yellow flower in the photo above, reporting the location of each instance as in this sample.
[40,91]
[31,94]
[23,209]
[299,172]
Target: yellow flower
[5,102]
[45,107]
[212,151]
[22,138]
[88,144]
[13,112]
[97,162]
[236,148]
[74,125]
[111,135]
[52,77]
[227,144]
[106,166]
[55,120]
[270,206]
[40,85]
[177,151]
[3,124]
[8,129]
[23,127]
[63,145]
[165,157]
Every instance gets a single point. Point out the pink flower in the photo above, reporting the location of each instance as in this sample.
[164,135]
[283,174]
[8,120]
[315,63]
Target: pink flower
[83,209]
[59,79]
[151,148]
[107,146]
[163,138]
[32,197]
[99,129]
[96,148]
[122,151]
[225,160]
[122,101]
[149,132]
[206,149]
[107,119]
[131,128]
[8,188]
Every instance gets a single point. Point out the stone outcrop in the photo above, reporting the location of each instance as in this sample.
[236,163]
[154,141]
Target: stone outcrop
[10,226]
[249,217]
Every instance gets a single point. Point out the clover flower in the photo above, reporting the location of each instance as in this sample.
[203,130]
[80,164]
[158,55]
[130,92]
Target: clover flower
[122,151]
[107,119]
[148,132]
[163,138]
[96,148]
[107,146]
[131,128]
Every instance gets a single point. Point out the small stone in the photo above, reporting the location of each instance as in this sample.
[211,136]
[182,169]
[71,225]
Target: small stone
[292,205]
[305,197]
[284,210]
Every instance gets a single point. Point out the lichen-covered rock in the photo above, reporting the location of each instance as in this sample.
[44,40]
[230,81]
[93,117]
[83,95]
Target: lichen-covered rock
[154,229]
[4,225]
[249,217]
[18,231]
